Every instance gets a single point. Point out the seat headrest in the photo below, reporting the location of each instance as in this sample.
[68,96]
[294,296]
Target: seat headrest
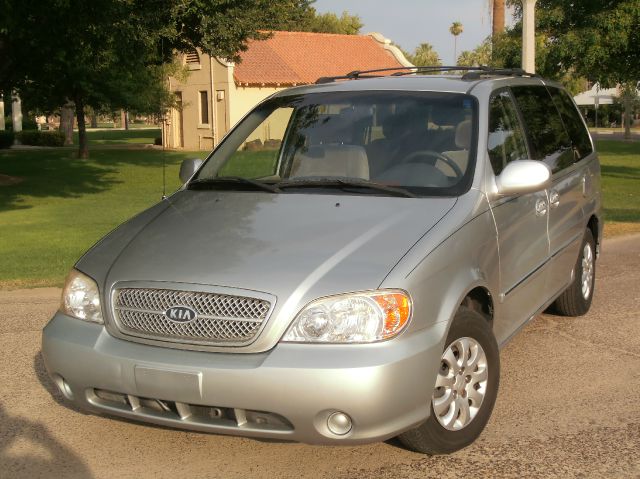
[463,135]
[332,160]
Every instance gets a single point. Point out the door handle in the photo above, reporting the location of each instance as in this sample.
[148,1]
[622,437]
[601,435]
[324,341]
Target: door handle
[541,207]
[554,199]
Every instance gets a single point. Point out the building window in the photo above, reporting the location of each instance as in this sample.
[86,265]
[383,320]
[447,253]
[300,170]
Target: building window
[204,108]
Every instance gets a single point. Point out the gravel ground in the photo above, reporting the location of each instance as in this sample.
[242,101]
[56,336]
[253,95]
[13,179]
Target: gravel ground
[568,407]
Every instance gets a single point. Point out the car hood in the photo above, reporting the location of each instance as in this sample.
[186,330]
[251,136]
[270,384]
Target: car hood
[295,247]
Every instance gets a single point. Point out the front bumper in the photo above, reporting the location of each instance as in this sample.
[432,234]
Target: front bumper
[287,393]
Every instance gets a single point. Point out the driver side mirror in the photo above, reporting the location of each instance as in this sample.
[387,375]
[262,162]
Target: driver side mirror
[522,177]
[188,169]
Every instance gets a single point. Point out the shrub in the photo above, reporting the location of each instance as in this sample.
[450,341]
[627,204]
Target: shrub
[6,139]
[41,138]
[27,123]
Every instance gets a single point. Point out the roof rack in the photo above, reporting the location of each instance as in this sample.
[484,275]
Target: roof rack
[472,73]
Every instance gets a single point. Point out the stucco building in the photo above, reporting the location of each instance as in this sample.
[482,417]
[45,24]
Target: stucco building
[217,93]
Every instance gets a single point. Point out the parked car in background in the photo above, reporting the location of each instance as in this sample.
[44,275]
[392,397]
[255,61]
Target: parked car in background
[344,266]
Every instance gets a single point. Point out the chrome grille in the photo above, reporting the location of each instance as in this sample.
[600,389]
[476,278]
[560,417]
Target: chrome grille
[221,319]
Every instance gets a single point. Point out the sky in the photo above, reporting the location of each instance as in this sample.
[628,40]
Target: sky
[411,22]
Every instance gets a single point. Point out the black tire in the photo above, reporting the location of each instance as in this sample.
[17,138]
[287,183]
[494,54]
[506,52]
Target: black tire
[431,437]
[572,302]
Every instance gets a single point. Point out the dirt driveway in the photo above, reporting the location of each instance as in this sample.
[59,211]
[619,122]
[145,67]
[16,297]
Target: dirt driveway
[569,406]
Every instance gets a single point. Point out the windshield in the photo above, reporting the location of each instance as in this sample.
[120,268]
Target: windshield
[421,142]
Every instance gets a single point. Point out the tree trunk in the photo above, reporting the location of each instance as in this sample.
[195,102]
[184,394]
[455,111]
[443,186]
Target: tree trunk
[124,120]
[627,117]
[94,120]
[83,147]
[498,17]
[66,123]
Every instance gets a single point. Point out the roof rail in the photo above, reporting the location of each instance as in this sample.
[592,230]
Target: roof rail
[472,73]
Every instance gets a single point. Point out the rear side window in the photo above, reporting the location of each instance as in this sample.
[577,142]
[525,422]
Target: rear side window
[549,140]
[572,122]
[506,142]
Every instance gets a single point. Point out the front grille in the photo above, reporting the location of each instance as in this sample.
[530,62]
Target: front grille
[221,319]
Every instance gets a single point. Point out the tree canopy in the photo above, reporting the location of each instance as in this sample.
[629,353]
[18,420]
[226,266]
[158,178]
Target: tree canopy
[424,55]
[594,39]
[481,55]
[110,54]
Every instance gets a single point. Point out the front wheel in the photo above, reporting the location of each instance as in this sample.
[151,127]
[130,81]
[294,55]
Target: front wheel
[465,389]
[576,299]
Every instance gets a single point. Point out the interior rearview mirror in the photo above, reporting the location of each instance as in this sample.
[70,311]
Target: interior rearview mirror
[523,176]
[188,168]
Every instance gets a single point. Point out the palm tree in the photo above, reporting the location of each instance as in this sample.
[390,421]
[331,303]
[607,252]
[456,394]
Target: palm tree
[498,10]
[456,29]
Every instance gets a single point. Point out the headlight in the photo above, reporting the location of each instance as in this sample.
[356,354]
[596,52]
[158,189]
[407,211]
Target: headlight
[352,318]
[80,298]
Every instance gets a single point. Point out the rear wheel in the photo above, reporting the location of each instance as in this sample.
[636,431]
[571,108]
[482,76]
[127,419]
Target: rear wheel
[576,299]
[465,389]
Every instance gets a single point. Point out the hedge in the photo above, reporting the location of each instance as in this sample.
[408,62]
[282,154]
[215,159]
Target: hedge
[41,138]
[6,139]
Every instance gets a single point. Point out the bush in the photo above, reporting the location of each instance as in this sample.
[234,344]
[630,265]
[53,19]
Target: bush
[6,139]
[41,138]
[27,123]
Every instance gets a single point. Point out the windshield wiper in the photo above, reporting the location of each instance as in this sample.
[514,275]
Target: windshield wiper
[230,180]
[343,183]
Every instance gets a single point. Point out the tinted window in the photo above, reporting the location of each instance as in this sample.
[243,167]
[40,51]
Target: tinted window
[506,141]
[421,141]
[549,140]
[572,122]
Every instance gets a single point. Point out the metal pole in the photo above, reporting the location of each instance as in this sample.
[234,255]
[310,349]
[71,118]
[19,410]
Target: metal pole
[529,35]
[2,125]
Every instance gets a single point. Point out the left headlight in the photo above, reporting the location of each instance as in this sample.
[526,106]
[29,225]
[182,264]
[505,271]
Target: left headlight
[80,298]
[364,317]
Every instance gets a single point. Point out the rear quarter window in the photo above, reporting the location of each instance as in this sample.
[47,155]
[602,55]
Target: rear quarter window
[573,123]
[548,138]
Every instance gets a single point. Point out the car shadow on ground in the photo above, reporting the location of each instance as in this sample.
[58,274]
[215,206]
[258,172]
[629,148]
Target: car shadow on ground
[58,460]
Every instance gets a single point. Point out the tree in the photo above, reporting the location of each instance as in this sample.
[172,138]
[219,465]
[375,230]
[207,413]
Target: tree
[424,55]
[455,30]
[481,55]
[597,39]
[330,23]
[497,17]
[112,54]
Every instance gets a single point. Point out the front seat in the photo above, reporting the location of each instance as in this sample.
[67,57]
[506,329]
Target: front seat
[331,160]
[463,142]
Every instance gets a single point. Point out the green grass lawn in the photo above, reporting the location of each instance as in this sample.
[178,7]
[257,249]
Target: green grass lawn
[620,186]
[63,205]
[120,137]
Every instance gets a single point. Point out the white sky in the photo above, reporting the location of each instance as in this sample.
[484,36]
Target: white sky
[411,22]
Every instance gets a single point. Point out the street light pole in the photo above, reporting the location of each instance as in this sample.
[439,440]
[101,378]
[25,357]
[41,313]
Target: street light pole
[2,125]
[529,35]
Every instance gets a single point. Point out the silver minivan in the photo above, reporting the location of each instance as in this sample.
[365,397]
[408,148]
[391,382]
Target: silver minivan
[345,266]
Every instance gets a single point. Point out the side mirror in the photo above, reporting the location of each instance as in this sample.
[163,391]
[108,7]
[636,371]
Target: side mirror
[188,168]
[523,176]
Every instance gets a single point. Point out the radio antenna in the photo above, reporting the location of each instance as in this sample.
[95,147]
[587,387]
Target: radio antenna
[164,137]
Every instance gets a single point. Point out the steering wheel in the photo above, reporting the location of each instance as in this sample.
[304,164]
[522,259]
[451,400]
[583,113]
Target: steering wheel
[432,158]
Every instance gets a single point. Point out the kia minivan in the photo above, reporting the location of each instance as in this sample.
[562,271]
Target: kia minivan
[344,267]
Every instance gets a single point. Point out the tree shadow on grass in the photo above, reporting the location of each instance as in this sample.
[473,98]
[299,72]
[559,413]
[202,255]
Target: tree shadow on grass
[59,174]
[621,172]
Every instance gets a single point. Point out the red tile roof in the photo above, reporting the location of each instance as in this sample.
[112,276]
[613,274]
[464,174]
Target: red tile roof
[302,57]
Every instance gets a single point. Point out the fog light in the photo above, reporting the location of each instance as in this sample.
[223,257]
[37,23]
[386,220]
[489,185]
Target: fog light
[339,423]
[63,386]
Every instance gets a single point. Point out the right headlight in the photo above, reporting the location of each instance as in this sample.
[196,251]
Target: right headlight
[364,317]
[81,298]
